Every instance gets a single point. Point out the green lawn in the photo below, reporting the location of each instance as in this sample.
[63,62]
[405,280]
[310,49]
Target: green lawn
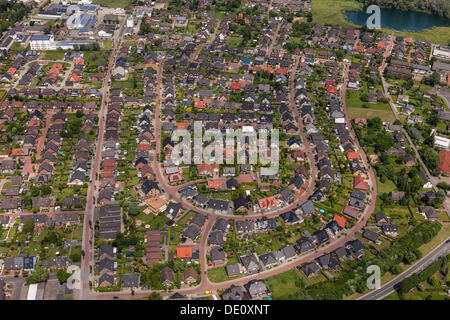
[385,187]
[219,275]
[444,217]
[435,35]
[234,42]
[155,222]
[54,55]
[284,286]
[185,218]
[353,100]
[328,12]
[392,296]
[113,3]
[107,44]
[355,108]
[387,115]
[219,15]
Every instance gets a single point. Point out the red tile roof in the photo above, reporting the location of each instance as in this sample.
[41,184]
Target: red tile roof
[359,183]
[184,252]
[340,220]
[332,90]
[352,155]
[236,86]
[444,165]
[217,184]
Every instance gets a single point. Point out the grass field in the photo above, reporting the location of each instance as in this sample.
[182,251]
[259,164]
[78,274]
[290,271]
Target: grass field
[353,100]
[371,113]
[234,42]
[219,275]
[355,109]
[331,12]
[112,3]
[107,44]
[386,187]
[54,55]
[284,286]
[435,35]
[219,14]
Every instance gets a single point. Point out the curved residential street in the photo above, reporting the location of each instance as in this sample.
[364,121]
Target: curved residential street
[206,284]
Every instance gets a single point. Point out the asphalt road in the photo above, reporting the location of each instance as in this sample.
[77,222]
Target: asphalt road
[389,287]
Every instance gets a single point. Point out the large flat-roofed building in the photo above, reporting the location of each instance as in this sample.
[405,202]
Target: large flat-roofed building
[442,52]
[50,15]
[84,21]
[42,42]
[66,45]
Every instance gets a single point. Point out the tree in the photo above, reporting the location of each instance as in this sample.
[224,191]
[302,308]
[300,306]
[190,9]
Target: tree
[39,275]
[63,276]
[28,226]
[384,142]
[364,97]
[375,124]
[133,209]
[45,190]
[154,296]
[51,237]
[430,157]
[35,191]
[396,269]
[75,257]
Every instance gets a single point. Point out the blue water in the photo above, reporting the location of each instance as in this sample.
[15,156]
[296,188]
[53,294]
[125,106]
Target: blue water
[400,20]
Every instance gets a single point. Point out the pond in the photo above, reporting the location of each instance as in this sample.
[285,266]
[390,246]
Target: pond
[400,20]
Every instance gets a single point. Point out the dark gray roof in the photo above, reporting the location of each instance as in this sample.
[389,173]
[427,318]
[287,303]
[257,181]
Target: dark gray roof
[371,235]
[233,269]
[216,237]
[130,280]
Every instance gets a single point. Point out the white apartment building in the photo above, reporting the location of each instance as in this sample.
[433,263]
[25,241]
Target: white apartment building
[441,142]
[42,42]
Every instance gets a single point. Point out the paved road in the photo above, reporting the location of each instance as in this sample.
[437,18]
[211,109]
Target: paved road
[49,214]
[389,287]
[205,284]
[93,184]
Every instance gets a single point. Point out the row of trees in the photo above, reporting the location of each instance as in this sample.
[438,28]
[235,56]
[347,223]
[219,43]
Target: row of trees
[437,7]
[354,276]
[407,284]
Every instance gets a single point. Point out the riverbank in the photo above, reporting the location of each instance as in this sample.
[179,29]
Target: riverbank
[332,12]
